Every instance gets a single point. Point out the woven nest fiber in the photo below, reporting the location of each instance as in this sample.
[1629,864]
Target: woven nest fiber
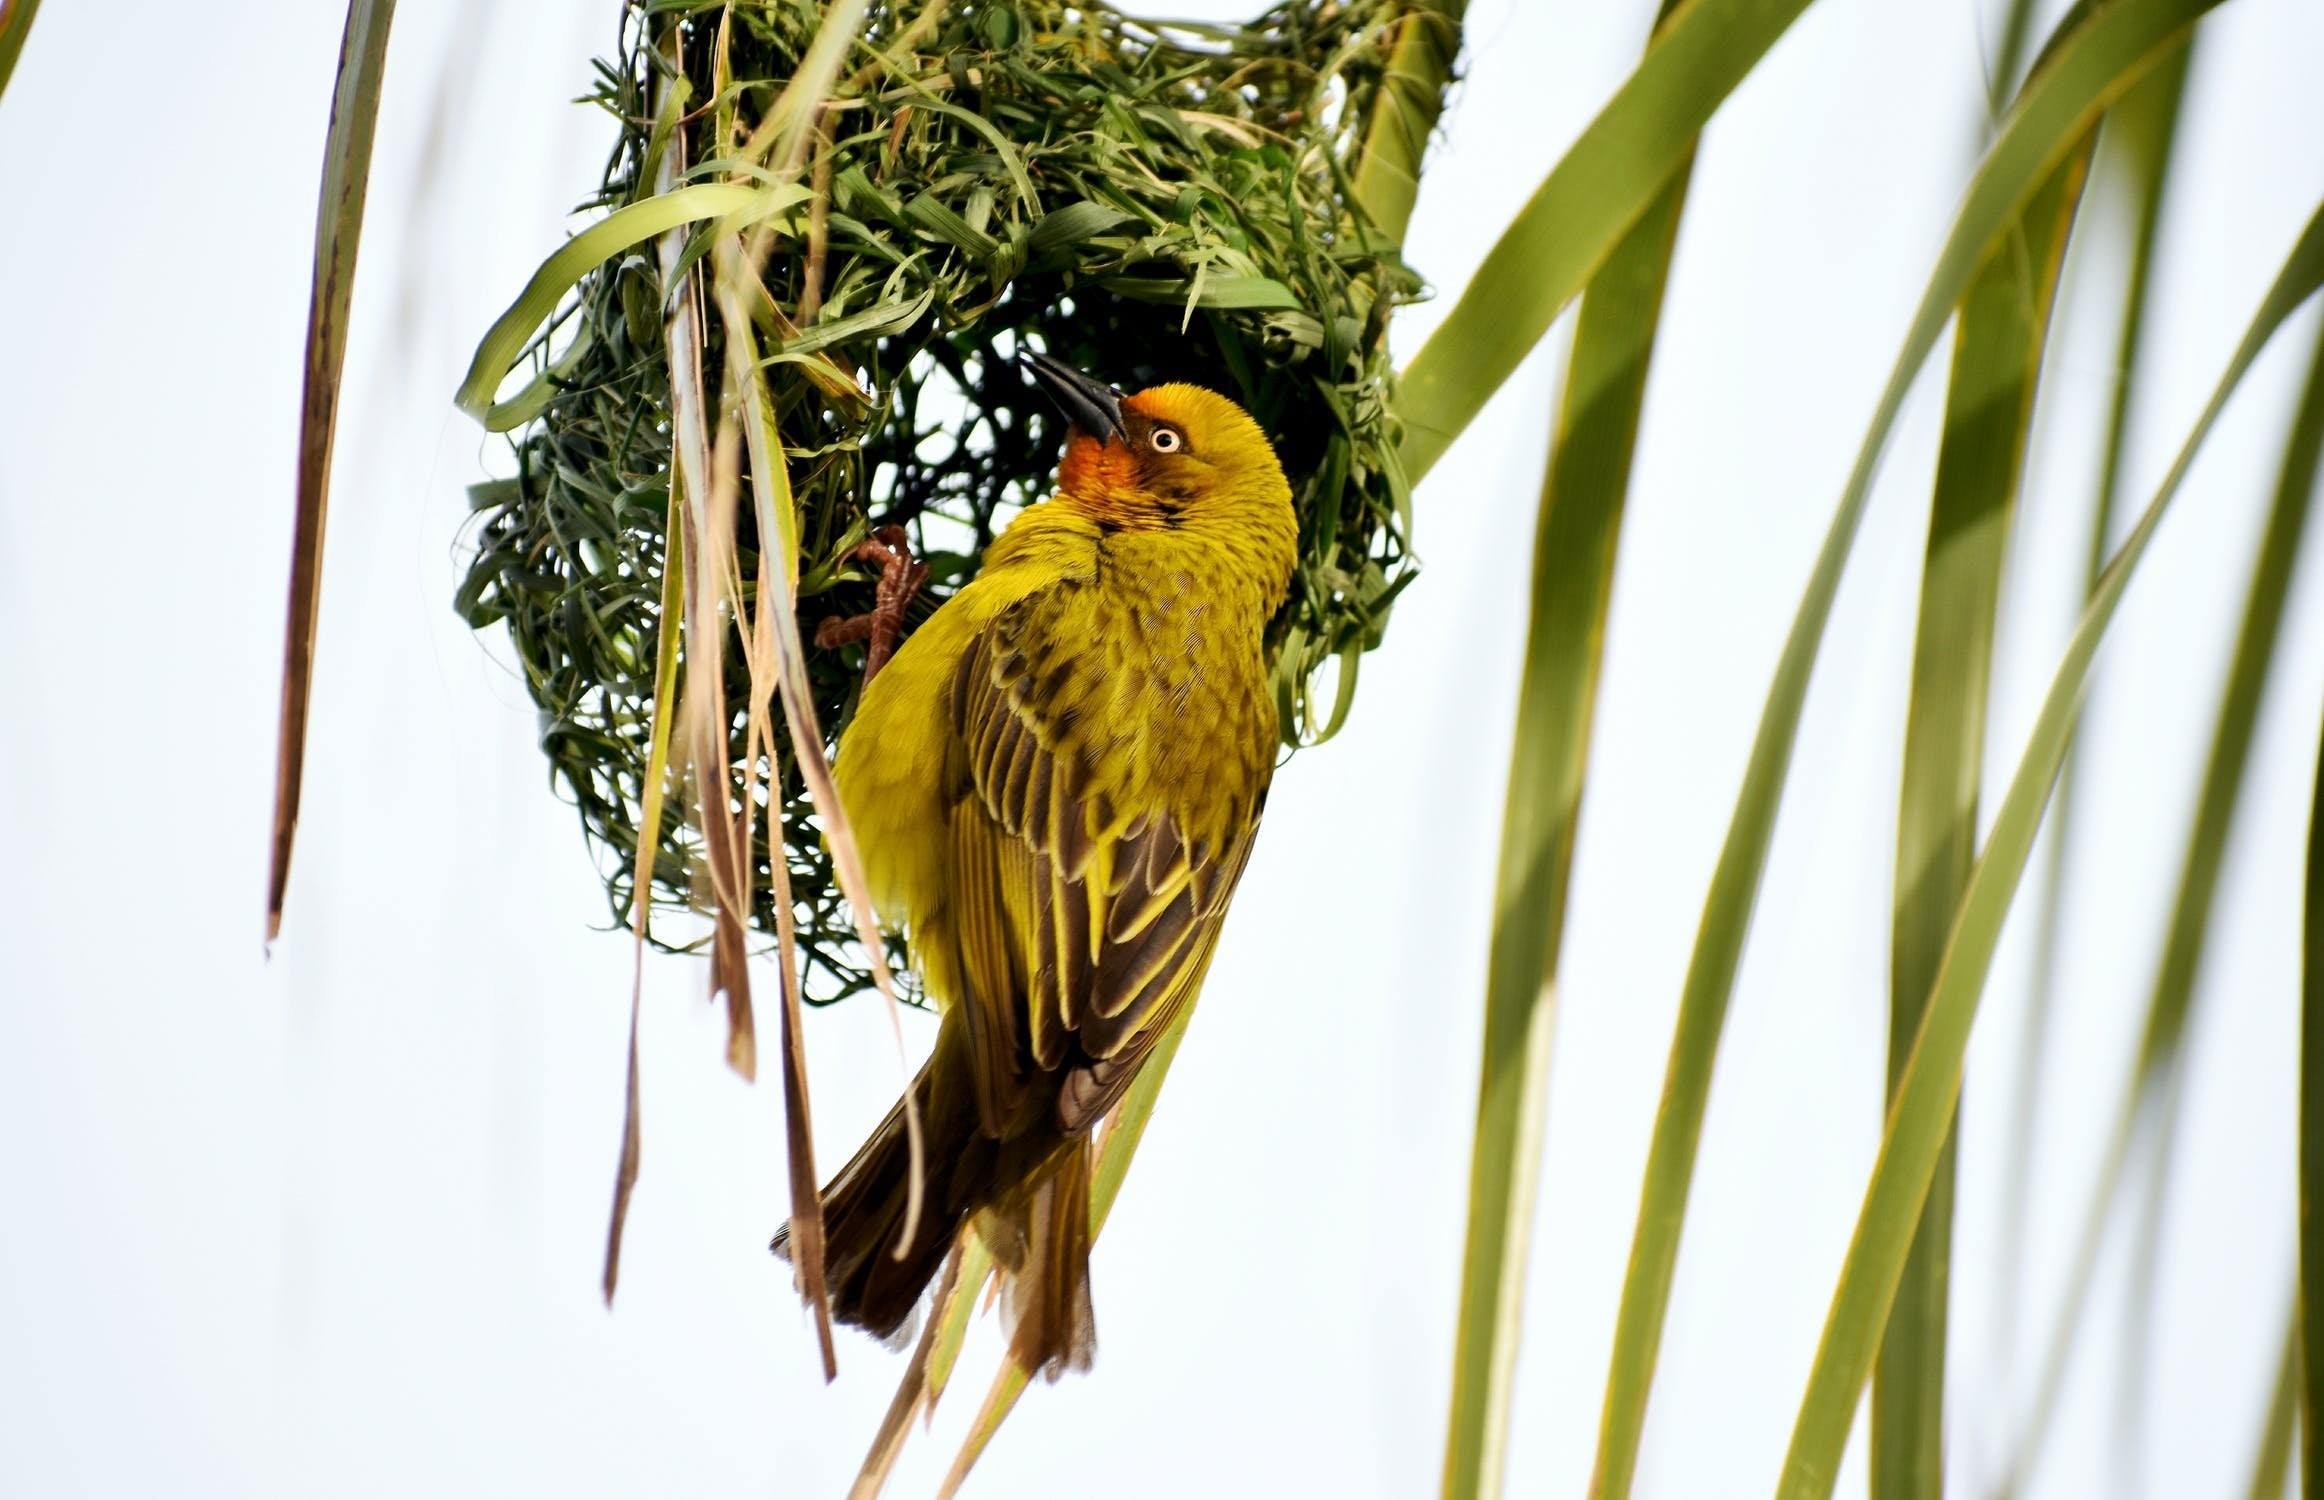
[1146,202]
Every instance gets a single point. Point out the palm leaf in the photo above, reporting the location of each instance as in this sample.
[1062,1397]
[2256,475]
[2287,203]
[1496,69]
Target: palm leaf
[513,331]
[2271,1465]
[2312,1134]
[338,231]
[1124,1129]
[1576,532]
[2087,68]
[2160,1065]
[1921,1115]
[2171,1000]
[2138,137]
[650,817]
[1581,210]
[15,25]
[1387,178]
[1997,360]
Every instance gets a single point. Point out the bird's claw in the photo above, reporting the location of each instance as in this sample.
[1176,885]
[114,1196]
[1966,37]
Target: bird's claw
[881,627]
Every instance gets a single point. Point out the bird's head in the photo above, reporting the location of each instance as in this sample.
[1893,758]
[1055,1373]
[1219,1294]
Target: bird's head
[1170,456]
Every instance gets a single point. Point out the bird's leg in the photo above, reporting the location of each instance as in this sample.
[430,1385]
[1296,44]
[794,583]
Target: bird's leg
[881,627]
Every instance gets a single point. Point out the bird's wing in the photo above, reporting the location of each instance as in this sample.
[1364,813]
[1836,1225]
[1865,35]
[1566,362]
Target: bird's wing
[1084,908]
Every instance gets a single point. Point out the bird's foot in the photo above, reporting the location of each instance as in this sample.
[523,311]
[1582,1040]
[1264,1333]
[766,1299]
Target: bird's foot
[882,626]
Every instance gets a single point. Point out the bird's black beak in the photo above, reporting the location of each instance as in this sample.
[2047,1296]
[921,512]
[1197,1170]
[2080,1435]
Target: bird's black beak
[1094,406]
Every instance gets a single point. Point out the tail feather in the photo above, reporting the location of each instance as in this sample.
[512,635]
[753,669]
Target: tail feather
[1046,1297]
[875,1279]
[1029,1196]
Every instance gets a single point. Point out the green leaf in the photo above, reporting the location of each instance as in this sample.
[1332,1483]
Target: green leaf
[2008,52]
[2137,142]
[1989,405]
[15,25]
[2160,1069]
[2087,70]
[2271,1468]
[505,341]
[2312,1132]
[1074,223]
[976,1263]
[879,319]
[940,219]
[1577,530]
[1124,1129]
[1404,113]
[1011,159]
[1581,210]
[1225,293]
[338,232]
[1576,535]
[1920,1118]
[2170,1002]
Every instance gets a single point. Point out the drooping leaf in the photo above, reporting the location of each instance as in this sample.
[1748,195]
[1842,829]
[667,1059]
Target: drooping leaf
[2137,144]
[1576,532]
[673,595]
[2312,1135]
[1124,1129]
[2086,71]
[1920,1118]
[2008,54]
[1989,406]
[2271,1466]
[338,233]
[2152,1091]
[1581,210]
[1411,96]
[509,335]
[15,24]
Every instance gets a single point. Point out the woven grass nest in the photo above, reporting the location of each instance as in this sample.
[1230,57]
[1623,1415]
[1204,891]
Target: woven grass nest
[1147,202]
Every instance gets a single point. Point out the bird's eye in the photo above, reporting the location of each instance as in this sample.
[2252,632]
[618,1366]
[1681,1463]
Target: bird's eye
[1166,441]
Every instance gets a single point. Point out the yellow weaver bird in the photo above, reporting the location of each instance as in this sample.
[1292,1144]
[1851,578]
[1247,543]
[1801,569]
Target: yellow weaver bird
[1055,784]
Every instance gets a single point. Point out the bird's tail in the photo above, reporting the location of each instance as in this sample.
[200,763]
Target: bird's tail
[1030,1198]
[875,1278]
[1039,1233]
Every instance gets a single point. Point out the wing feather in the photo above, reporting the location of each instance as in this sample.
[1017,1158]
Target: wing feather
[1084,914]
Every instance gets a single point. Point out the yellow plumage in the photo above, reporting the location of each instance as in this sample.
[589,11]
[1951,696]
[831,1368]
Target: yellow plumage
[1055,784]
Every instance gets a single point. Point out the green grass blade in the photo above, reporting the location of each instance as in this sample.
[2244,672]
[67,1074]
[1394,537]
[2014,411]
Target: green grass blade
[2143,129]
[2152,1091]
[1577,530]
[2138,137]
[976,1263]
[1997,359]
[1123,1131]
[338,232]
[2271,1468]
[2086,71]
[1565,231]
[1921,1115]
[625,227]
[2169,1005]
[2312,1135]
[2008,54]
[15,24]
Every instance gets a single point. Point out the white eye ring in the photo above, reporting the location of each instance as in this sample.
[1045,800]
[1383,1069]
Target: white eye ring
[1166,441]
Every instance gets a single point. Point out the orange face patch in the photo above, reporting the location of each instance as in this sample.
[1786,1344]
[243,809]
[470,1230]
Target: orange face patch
[1094,468]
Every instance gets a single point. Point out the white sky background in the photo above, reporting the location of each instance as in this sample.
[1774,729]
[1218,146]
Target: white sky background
[331,1223]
